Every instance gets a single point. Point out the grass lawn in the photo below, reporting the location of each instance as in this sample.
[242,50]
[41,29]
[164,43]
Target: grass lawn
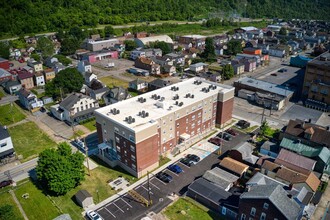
[1,94]
[163,160]
[193,211]
[7,199]
[10,115]
[111,82]
[90,125]
[37,206]
[29,140]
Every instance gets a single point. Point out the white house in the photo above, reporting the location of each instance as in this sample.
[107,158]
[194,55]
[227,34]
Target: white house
[39,79]
[84,66]
[276,52]
[197,67]
[29,100]
[6,144]
[137,53]
[75,108]
[89,77]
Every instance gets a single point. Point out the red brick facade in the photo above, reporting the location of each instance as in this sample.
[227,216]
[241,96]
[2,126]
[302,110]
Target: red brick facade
[224,111]
[147,152]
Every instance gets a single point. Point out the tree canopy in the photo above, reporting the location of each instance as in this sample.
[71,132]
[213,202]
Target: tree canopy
[66,81]
[60,170]
[45,46]
[7,212]
[130,45]
[29,16]
[234,47]
[209,51]
[4,50]
[161,45]
[63,59]
[227,72]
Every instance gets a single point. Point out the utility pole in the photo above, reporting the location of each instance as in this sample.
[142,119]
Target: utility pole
[86,153]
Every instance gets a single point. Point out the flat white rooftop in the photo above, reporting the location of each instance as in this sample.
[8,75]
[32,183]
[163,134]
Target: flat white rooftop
[163,104]
[195,36]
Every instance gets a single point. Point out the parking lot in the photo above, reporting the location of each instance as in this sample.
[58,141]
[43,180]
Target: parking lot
[126,207]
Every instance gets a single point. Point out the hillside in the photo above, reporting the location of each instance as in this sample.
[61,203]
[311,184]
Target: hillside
[19,17]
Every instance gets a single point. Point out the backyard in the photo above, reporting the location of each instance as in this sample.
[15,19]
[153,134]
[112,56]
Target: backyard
[111,82]
[10,114]
[29,140]
[186,208]
[7,199]
[90,124]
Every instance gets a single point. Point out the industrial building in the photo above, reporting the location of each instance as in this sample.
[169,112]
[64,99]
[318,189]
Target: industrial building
[133,133]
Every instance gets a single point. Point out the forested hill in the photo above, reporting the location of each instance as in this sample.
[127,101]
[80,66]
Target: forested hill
[19,17]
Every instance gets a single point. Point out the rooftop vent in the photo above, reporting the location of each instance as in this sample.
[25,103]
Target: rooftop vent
[141,100]
[174,88]
[114,111]
[180,104]
[129,119]
[176,97]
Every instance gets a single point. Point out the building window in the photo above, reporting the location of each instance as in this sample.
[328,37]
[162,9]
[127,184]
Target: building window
[81,108]
[116,130]
[193,125]
[199,114]
[243,216]
[177,125]
[91,105]
[263,216]
[117,139]
[124,134]
[118,148]
[105,131]
[126,161]
[77,109]
[253,211]
[131,138]
[133,167]
[193,117]
[132,148]
[3,144]
[125,152]
[86,106]
[187,120]
[132,157]
[266,205]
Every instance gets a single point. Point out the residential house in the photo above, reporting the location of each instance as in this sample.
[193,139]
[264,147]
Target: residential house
[47,100]
[270,149]
[89,78]
[141,52]
[37,66]
[249,64]
[50,61]
[147,64]
[49,74]
[162,61]
[253,45]
[243,153]
[234,166]
[238,67]
[257,58]
[39,78]
[6,144]
[5,76]
[98,93]
[320,154]
[84,66]
[252,51]
[214,77]
[12,87]
[220,39]
[169,69]
[75,108]
[276,51]
[198,67]
[26,79]
[29,100]
[194,40]
[177,58]
[294,44]
[138,85]
[57,67]
[268,202]
[221,178]
[116,94]
[145,41]
[295,161]
[4,64]
[157,84]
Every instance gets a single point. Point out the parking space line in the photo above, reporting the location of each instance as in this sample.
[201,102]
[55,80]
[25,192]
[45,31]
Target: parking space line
[160,181]
[126,203]
[147,189]
[155,186]
[184,165]
[118,207]
[173,172]
[110,212]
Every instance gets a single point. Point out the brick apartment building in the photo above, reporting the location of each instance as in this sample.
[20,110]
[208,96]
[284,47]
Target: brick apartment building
[133,133]
[317,82]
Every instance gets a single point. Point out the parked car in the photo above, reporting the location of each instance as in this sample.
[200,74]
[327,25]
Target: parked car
[273,74]
[5,183]
[194,158]
[187,162]
[215,140]
[232,132]
[164,177]
[93,215]
[174,168]
[243,124]
[283,70]
[225,136]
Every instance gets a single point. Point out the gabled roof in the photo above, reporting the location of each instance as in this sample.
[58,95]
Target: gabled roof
[294,161]
[24,92]
[234,165]
[11,83]
[246,151]
[268,165]
[277,196]
[24,75]
[298,127]
[81,195]
[145,60]
[71,100]
[4,73]
[137,81]
[118,93]
[3,133]
[159,83]
[220,177]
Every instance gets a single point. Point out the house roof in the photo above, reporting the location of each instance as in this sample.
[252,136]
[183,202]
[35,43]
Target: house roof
[4,73]
[38,74]
[246,150]
[234,165]
[118,93]
[24,75]
[298,127]
[278,196]
[72,99]
[165,38]
[81,195]
[159,83]
[11,83]
[145,60]
[3,133]
[209,191]
[268,165]
[198,65]
[270,146]
[293,160]
[220,177]
[25,93]
[137,81]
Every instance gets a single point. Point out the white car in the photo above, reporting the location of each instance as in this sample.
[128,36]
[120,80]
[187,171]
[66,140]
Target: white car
[93,215]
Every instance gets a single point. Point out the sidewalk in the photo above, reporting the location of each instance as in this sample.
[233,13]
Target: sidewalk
[140,181]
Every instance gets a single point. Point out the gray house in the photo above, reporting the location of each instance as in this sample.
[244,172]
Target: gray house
[12,87]
[84,199]
[116,94]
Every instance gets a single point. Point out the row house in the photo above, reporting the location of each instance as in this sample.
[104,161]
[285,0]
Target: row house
[141,52]
[147,64]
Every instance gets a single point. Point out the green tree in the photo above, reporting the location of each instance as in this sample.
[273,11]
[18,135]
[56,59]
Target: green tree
[7,212]
[228,72]
[18,43]
[161,45]
[4,50]
[234,47]
[109,30]
[209,51]
[283,31]
[36,57]
[264,128]
[130,45]
[45,46]
[69,46]
[66,81]
[63,59]
[77,33]
[60,170]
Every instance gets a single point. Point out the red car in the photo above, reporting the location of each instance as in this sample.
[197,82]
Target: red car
[232,132]
[215,140]
[5,183]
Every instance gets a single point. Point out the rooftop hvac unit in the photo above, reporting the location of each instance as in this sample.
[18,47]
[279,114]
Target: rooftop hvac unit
[158,97]
[192,96]
[144,99]
[177,102]
[139,113]
[133,120]
[118,111]
[147,114]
